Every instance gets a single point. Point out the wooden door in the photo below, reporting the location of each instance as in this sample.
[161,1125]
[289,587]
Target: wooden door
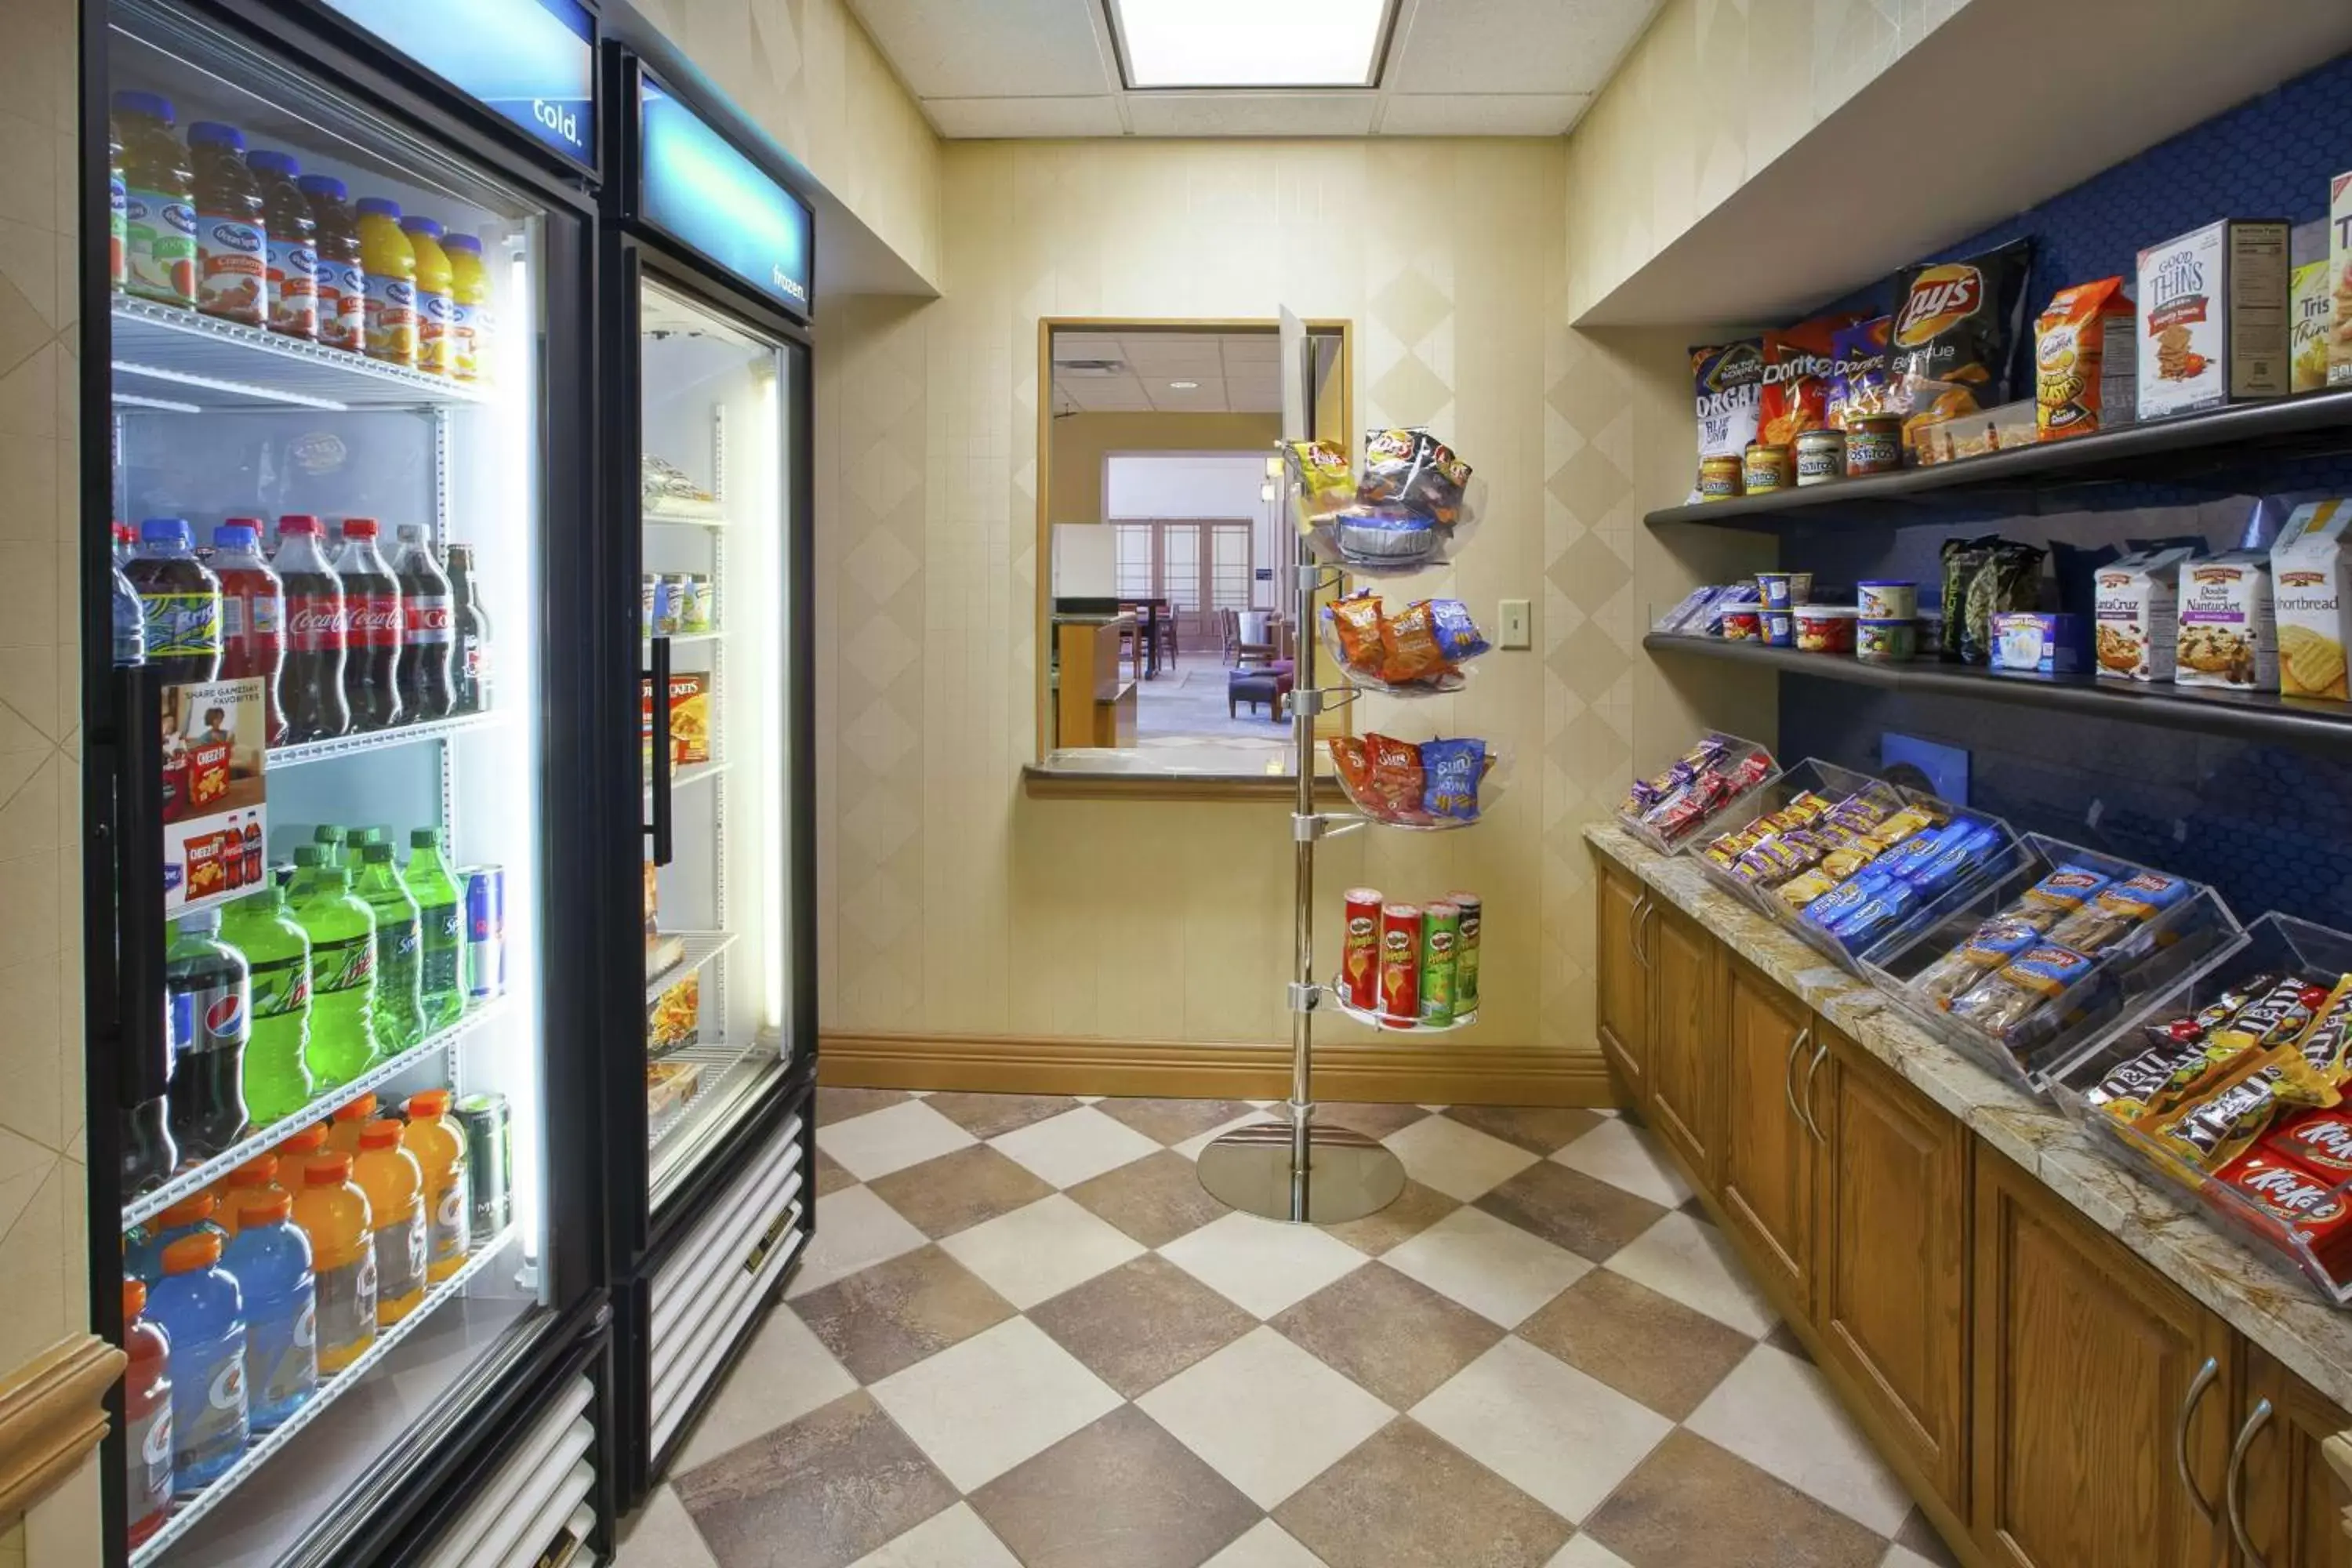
[1891,1265]
[2285,1498]
[1686,1041]
[2095,1380]
[1768,1147]
[1623,981]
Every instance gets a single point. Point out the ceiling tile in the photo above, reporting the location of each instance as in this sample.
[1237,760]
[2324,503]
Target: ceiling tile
[1251,114]
[1514,45]
[982,118]
[1252,348]
[1175,354]
[1086,345]
[1006,48]
[1208,397]
[1482,114]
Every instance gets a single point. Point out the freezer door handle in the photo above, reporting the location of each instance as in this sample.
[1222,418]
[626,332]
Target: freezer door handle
[657,760]
[138,873]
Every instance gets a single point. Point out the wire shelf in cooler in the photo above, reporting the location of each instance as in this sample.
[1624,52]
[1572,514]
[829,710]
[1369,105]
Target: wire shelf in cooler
[186,1511]
[302,752]
[261,1141]
[687,639]
[680,519]
[721,1066]
[701,947]
[690,775]
[170,355]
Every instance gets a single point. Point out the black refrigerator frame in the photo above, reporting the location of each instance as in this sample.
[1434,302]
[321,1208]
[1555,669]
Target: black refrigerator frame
[387,1518]
[641,1241]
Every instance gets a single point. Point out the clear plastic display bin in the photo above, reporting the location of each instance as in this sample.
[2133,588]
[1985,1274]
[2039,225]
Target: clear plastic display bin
[2171,948]
[1811,776]
[1381,793]
[2301,1194]
[1704,829]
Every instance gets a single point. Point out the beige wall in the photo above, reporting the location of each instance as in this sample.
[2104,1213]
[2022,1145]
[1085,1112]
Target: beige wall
[1712,92]
[44,1236]
[1080,442]
[808,74]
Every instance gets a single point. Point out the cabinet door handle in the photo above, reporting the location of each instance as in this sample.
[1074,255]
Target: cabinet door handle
[1789,1075]
[1806,1100]
[1640,910]
[2204,1379]
[2230,1480]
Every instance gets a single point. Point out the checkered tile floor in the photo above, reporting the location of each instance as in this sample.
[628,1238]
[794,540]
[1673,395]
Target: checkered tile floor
[1024,1335]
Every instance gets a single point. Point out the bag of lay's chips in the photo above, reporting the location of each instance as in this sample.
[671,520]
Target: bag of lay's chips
[1797,379]
[1953,342]
[1857,373]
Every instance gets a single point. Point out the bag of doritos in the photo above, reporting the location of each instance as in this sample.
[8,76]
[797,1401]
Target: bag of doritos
[1953,344]
[1857,373]
[1797,380]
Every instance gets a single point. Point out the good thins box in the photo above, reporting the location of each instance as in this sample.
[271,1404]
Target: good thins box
[2339,271]
[2213,318]
[2229,626]
[2309,568]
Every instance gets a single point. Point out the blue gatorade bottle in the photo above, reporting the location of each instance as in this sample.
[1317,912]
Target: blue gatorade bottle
[271,1259]
[199,1307]
[142,1255]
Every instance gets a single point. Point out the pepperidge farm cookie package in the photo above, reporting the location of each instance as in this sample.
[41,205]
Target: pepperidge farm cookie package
[2309,568]
[2229,622]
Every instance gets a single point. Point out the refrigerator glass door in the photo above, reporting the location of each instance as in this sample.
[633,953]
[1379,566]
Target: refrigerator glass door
[217,418]
[713,600]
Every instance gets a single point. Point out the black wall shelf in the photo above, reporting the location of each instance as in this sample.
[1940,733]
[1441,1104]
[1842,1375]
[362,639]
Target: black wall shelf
[2247,716]
[2192,447]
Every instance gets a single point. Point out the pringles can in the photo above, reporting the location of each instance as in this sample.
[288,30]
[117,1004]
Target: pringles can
[1400,996]
[1466,952]
[1441,934]
[486,931]
[488,1125]
[1359,960]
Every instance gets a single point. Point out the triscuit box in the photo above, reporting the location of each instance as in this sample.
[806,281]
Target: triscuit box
[2229,626]
[2339,269]
[2311,306]
[2137,612]
[2309,567]
[2213,318]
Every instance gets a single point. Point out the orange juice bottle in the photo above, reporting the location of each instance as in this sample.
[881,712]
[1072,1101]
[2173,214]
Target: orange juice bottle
[333,1213]
[439,1145]
[388,277]
[255,1181]
[158,197]
[343,1128]
[470,321]
[394,1185]
[436,306]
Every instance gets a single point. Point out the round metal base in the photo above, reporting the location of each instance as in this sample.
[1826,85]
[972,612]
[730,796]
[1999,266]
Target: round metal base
[1348,1175]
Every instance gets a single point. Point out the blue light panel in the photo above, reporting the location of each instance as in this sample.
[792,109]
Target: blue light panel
[702,191]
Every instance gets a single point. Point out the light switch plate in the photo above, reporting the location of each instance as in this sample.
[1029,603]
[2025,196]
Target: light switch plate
[1512,628]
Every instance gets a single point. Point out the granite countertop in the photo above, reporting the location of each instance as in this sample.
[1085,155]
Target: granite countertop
[2258,1294]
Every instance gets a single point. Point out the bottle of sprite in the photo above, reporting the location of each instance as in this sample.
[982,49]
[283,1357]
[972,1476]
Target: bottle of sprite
[399,934]
[276,1074]
[443,979]
[341,929]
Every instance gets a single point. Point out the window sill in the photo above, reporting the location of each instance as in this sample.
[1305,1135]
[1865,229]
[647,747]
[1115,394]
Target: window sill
[1059,784]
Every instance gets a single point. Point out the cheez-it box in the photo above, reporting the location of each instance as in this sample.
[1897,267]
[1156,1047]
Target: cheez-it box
[2213,318]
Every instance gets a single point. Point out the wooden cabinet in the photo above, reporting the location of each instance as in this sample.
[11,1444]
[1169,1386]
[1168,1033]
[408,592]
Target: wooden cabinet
[1768,1144]
[1891,1260]
[1623,981]
[2096,1383]
[2285,1503]
[1685,1068]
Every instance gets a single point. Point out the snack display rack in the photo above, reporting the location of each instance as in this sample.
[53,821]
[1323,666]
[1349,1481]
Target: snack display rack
[1737,810]
[2304,1209]
[2160,956]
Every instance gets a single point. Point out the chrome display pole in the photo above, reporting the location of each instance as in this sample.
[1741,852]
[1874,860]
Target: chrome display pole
[1309,1171]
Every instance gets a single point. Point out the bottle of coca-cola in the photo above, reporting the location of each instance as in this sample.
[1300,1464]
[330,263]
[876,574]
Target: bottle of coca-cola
[426,688]
[372,599]
[311,682]
[253,614]
[470,625]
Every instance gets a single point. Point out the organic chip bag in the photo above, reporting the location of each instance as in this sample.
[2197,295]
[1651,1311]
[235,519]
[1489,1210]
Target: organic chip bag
[1727,380]
[2071,344]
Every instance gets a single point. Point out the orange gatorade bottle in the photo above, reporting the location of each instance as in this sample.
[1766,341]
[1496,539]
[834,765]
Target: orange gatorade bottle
[394,1186]
[255,1181]
[343,1127]
[333,1213]
[439,1145]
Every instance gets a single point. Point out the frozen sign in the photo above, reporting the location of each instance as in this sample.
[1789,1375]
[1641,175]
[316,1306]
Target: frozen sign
[532,61]
[705,193]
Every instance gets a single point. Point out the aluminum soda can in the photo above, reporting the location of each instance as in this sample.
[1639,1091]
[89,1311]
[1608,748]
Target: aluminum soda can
[1441,935]
[485,931]
[489,1124]
[1359,961]
[1400,998]
[1466,951]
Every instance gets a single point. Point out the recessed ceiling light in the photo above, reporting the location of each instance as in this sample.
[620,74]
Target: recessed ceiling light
[1249,43]
[1183,386]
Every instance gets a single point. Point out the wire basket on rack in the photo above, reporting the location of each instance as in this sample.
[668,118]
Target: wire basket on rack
[1420,651]
[1414,506]
[1433,785]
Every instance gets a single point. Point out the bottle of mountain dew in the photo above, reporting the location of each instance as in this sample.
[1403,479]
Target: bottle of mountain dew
[277,1079]
[342,931]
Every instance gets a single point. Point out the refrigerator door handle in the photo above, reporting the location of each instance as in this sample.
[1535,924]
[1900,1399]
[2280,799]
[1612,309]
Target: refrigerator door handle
[657,761]
[138,873]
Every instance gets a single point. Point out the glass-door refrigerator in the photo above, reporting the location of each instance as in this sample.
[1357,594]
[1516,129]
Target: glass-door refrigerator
[708,648]
[344,1163]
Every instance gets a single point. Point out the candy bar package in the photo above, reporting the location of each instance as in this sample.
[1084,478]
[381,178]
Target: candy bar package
[1667,811]
[1957,327]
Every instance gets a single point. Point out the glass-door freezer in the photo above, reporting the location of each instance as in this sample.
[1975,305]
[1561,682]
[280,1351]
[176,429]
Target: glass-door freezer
[341,1188]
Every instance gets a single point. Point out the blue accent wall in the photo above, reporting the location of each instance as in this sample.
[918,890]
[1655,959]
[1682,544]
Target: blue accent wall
[2270,828]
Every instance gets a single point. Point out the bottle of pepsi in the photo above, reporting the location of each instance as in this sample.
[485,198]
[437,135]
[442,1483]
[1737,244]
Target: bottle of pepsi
[428,625]
[371,654]
[209,991]
[149,1155]
[471,626]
